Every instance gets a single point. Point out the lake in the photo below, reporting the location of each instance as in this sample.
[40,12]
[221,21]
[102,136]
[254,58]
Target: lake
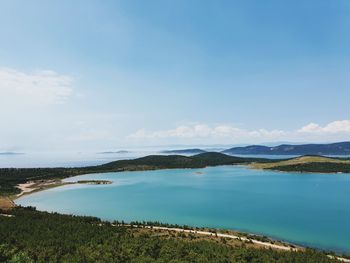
[306,209]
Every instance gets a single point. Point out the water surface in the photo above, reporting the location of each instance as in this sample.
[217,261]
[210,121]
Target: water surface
[307,209]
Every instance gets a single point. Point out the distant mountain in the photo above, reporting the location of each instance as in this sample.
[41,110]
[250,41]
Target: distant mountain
[341,148]
[116,152]
[184,151]
[10,153]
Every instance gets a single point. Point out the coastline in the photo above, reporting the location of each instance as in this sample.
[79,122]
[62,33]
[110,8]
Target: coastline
[33,187]
[37,186]
[41,185]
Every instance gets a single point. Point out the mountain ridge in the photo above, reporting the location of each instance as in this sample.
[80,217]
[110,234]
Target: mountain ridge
[339,148]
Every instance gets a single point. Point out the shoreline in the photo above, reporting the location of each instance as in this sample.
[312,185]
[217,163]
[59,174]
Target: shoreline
[249,166]
[236,236]
[231,234]
[37,186]
[41,185]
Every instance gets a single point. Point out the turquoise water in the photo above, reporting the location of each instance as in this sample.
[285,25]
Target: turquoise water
[307,209]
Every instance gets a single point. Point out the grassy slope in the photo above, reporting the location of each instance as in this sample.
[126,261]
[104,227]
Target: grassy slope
[308,164]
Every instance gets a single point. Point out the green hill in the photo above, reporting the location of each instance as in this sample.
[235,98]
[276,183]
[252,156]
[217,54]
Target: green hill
[316,164]
[340,148]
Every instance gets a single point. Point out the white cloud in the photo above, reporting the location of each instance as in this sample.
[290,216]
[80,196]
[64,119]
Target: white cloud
[334,131]
[333,127]
[39,87]
[311,127]
[206,131]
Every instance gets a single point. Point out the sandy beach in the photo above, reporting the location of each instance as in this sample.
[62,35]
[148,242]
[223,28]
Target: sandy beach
[26,188]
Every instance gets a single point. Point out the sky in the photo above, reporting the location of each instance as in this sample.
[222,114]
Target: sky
[99,75]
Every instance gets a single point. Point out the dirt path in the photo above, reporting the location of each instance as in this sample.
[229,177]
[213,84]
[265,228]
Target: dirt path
[207,233]
[257,242]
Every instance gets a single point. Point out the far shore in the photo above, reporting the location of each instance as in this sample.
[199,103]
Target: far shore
[36,186]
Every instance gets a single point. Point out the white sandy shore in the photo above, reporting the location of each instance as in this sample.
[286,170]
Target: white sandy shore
[29,187]
[26,188]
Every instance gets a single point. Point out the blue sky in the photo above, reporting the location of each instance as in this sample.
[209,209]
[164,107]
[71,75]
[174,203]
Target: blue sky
[108,74]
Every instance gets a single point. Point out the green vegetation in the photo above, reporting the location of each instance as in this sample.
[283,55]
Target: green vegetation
[32,236]
[10,177]
[314,164]
[327,167]
[94,182]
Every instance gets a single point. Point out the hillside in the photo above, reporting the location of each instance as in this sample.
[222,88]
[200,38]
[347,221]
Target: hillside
[177,161]
[316,164]
[341,148]
[32,236]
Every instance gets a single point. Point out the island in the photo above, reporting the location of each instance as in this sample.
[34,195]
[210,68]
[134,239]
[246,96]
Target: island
[184,151]
[11,153]
[339,148]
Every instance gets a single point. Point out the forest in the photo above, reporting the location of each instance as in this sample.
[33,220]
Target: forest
[28,235]
[325,167]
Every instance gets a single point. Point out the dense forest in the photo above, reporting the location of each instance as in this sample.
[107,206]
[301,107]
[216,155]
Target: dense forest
[326,167]
[32,236]
[10,177]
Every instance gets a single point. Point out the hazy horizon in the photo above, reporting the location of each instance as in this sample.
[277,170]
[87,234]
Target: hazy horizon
[93,76]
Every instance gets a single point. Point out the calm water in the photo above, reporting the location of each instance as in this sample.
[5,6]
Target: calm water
[308,209]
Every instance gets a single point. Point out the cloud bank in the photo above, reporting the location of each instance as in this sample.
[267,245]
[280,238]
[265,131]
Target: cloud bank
[38,87]
[205,131]
[336,131]
[333,127]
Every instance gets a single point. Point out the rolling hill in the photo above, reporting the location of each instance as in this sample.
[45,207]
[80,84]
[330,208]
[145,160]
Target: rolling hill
[314,164]
[340,148]
[10,177]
